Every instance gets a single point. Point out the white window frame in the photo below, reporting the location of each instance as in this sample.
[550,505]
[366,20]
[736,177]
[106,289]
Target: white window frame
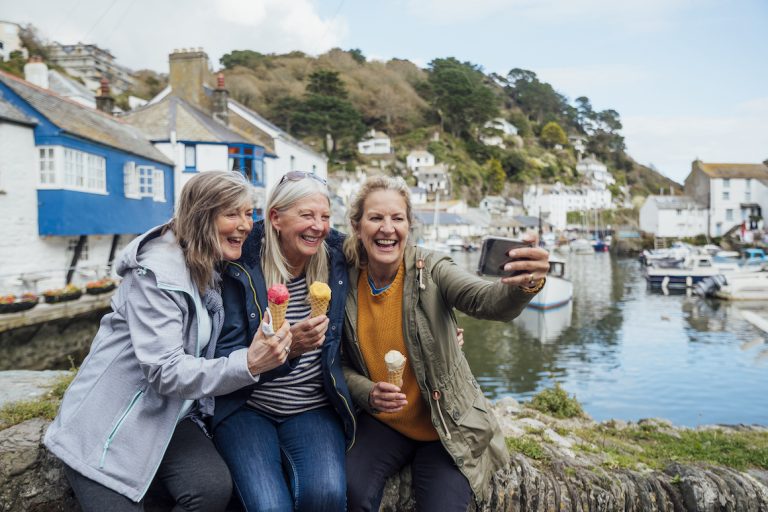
[158,185]
[729,214]
[130,181]
[60,167]
[190,156]
[144,178]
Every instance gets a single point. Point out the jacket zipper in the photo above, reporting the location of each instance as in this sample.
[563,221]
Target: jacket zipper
[118,425]
[250,283]
[351,415]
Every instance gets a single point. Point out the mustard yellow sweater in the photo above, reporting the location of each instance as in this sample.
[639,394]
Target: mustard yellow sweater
[380,329]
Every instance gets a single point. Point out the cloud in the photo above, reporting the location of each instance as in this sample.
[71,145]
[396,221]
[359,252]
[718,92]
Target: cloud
[142,38]
[671,143]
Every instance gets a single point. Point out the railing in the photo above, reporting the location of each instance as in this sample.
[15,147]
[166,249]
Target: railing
[28,281]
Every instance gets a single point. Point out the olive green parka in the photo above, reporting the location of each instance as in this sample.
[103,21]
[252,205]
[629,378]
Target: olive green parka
[459,410]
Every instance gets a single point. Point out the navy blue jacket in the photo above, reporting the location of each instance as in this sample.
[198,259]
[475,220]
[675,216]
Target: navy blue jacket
[245,297]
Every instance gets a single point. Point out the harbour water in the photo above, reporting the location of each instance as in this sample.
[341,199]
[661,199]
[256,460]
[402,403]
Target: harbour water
[626,352]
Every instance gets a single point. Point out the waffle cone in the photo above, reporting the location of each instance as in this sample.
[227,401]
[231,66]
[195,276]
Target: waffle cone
[278,312]
[319,306]
[396,376]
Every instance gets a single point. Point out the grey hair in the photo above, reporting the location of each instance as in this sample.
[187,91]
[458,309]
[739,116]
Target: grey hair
[353,246]
[274,265]
[201,200]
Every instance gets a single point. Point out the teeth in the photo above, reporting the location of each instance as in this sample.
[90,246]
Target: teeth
[386,242]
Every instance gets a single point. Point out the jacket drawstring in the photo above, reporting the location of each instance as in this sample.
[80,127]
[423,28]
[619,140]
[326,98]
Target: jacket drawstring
[436,398]
[420,266]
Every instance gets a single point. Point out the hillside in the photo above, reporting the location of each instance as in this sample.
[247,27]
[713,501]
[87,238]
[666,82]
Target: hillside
[451,98]
[331,100]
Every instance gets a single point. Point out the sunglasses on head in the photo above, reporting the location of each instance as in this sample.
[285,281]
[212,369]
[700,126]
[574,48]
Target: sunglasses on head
[300,175]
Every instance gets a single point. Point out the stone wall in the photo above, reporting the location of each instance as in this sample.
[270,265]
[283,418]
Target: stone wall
[32,480]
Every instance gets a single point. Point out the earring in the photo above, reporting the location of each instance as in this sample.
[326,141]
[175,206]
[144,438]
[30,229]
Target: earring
[278,234]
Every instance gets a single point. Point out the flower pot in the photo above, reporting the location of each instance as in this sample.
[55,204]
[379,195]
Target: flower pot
[63,297]
[15,307]
[97,290]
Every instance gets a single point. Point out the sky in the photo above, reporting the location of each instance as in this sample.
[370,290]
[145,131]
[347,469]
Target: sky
[688,77]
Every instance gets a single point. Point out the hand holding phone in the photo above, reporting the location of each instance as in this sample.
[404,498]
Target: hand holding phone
[495,254]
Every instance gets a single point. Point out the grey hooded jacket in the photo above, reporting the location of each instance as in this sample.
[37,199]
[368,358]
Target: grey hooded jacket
[145,368]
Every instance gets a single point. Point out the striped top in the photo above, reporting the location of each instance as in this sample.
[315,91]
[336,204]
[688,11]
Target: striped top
[301,389]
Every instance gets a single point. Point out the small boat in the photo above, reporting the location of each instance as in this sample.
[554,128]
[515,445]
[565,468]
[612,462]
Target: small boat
[557,292]
[434,245]
[743,286]
[455,243]
[581,246]
[753,257]
[600,245]
[685,275]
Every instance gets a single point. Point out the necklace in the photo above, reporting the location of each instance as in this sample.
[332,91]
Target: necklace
[375,290]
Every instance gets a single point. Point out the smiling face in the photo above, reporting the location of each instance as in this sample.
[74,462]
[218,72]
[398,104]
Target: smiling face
[302,228]
[383,230]
[232,227]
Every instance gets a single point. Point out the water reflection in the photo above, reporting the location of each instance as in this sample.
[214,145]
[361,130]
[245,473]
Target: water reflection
[629,353]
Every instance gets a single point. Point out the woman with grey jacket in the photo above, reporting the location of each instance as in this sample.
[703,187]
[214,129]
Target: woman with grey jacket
[401,298]
[134,414]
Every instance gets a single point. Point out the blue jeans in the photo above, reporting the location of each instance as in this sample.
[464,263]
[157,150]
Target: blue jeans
[284,464]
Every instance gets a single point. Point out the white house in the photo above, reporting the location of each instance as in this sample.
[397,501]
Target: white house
[496,131]
[419,158]
[733,193]
[90,63]
[10,40]
[418,195]
[555,201]
[673,217]
[75,186]
[36,72]
[434,179]
[579,144]
[502,206]
[375,143]
[595,172]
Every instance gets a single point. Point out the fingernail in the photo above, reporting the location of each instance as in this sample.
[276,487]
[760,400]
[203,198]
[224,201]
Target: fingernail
[512,254]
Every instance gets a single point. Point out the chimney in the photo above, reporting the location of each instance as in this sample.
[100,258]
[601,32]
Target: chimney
[36,71]
[188,73]
[104,101]
[220,97]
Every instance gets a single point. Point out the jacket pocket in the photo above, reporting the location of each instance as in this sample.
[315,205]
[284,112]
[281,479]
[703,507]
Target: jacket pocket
[126,412]
[475,426]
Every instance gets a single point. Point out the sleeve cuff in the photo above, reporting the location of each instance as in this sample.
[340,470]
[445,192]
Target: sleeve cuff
[240,359]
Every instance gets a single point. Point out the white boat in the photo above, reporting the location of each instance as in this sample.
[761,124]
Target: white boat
[557,292]
[456,243]
[693,269]
[582,246]
[434,245]
[743,286]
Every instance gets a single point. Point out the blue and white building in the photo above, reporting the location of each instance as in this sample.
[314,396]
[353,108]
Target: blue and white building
[76,185]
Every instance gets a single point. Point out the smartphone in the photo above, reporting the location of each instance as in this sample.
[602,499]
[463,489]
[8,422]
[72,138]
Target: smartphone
[495,254]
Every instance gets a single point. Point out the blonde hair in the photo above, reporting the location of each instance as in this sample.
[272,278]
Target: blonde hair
[273,262]
[353,246]
[201,200]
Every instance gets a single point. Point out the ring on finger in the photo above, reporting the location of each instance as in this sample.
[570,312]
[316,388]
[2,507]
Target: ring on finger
[531,280]
[287,349]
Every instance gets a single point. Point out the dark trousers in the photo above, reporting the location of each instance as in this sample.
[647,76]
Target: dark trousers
[192,473]
[380,451]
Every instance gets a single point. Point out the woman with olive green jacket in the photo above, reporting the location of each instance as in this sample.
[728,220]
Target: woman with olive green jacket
[459,412]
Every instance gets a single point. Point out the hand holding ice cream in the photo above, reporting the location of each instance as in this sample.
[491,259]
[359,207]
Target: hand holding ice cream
[395,362]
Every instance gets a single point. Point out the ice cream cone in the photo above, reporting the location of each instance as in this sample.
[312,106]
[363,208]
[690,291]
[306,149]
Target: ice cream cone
[396,376]
[278,312]
[319,298]
[395,362]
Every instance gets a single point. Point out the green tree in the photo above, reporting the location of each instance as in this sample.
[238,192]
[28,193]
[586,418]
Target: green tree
[245,58]
[495,176]
[460,96]
[325,113]
[357,54]
[326,83]
[552,134]
[15,64]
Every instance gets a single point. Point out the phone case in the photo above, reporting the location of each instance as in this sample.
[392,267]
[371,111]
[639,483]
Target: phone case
[493,256]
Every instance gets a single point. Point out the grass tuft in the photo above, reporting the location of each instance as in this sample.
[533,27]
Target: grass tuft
[46,407]
[527,447]
[556,402]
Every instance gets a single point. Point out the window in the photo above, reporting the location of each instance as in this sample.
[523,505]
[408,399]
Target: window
[748,191]
[247,160]
[726,195]
[190,157]
[81,171]
[726,183]
[729,214]
[47,166]
[143,181]
[145,175]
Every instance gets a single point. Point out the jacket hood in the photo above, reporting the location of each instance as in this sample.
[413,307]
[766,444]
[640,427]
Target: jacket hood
[160,253]
[252,247]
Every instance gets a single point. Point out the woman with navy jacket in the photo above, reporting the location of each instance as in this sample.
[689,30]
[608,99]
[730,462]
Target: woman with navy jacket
[284,437]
